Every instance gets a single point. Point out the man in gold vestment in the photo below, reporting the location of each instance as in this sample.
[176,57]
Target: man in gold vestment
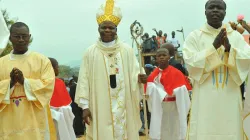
[218,60]
[108,85]
[26,86]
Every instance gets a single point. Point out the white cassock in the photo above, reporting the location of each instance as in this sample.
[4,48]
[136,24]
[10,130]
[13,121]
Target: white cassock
[4,32]
[168,114]
[246,113]
[216,98]
[62,114]
[63,120]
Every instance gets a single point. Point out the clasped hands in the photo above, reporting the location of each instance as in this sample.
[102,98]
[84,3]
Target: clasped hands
[16,76]
[222,39]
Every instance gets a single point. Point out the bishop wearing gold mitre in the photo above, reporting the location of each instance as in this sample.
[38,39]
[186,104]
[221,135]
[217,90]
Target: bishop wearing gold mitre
[108,85]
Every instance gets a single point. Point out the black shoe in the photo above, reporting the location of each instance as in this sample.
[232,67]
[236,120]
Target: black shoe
[141,134]
[78,136]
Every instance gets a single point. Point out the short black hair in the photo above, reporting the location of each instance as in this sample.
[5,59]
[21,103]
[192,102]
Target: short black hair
[18,25]
[206,5]
[169,47]
[162,49]
[53,62]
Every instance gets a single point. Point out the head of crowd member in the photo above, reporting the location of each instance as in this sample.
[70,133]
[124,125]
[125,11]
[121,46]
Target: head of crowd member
[146,35]
[149,68]
[166,35]
[160,33]
[173,34]
[170,48]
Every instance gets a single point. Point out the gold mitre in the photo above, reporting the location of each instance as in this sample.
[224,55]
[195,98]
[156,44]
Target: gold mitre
[109,13]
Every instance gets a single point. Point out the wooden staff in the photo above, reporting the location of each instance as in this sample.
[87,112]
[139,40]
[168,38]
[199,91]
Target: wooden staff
[136,31]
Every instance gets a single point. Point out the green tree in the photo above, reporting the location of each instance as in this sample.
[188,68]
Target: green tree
[64,71]
[9,22]
[67,72]
[75,71]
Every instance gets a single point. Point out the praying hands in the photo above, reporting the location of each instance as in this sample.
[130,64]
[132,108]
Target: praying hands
[222,39]
[16,76]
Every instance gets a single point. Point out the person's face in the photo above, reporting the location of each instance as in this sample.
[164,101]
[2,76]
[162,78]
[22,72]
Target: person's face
[154,37]
[160,33]
[19,37]
[215,12]
[107,31]
[162,58]
[173,34]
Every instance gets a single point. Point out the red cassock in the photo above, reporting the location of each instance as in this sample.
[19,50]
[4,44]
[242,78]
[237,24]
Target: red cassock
[171,79]
[60,96]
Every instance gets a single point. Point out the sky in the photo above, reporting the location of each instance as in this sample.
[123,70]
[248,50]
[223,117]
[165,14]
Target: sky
[63,29]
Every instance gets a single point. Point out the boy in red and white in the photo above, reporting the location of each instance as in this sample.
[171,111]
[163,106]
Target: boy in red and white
[60,107]
[168,89]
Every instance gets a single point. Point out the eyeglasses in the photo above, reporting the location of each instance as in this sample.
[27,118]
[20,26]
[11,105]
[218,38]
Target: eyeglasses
[21,36]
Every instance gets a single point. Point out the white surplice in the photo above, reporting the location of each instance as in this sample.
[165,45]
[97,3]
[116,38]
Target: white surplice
[63,120]
[246,113]
[168,119]
[216,98]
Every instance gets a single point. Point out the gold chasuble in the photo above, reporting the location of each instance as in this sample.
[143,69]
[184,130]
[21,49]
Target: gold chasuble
[24,109]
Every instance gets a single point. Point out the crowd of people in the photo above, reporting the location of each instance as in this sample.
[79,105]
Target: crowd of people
[150,44]
[105,97]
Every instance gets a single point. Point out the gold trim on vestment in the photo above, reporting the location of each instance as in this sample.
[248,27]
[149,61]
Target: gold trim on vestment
[109,97]
[108,14]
